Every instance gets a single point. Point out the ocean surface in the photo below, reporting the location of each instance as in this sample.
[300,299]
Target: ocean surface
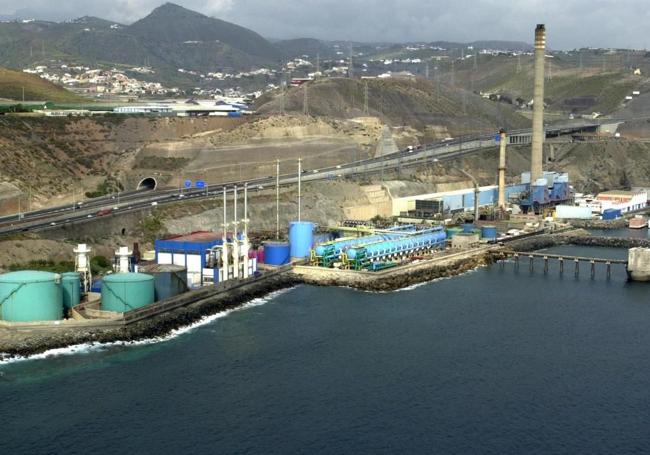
[496,361]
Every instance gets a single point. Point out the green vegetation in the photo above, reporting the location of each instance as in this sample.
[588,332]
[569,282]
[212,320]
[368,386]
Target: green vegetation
[161,163]
[152,227]
[108,186]
[44,266]
[100,265]
[12,84]
[169,38]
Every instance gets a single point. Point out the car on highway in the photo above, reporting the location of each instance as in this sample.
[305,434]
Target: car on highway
[154,204]
[89,216]
[52,223]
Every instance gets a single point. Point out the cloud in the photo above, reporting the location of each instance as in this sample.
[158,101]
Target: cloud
[601,23]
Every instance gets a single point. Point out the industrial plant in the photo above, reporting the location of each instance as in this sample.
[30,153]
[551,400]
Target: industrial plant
[425,236]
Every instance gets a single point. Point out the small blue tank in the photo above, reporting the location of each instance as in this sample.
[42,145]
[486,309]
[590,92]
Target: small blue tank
[276,253]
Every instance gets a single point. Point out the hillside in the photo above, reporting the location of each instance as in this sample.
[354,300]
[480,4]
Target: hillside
[431,109]
[169,38]
[12,84]
[599,84]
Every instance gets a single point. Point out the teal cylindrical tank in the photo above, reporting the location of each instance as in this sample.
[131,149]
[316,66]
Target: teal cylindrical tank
[29,296]
[71,287]
[453,231]
[489,232]
[301,238]
[168,280]
[122,292]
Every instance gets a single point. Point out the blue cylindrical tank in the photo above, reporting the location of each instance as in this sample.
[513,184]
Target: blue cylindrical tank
[276,253]
[489,232]
[96,286]
[122,292]
[301,238]
[29,296]
[168,280]
[468,228]
[71,287]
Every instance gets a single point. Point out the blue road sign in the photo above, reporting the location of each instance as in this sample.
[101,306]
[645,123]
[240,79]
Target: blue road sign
[497,138]
[199,184]
[188,184]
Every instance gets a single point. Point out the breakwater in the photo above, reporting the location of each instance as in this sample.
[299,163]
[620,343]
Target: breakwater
[579,237]
[443,266]
[33,339]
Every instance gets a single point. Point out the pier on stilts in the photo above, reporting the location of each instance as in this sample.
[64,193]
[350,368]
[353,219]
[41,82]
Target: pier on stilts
[562,259]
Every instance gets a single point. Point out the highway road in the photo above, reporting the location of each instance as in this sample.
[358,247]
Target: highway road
[131,201]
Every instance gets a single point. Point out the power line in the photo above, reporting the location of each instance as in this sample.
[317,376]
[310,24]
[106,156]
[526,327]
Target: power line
[365,99]
[350,68]
[581,67]
[452,80]
[305,100]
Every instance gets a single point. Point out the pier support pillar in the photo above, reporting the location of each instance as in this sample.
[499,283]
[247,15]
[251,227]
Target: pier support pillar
[593,269]
[532,261]
[545,264]
[561,265]
[577,270]
[609,269]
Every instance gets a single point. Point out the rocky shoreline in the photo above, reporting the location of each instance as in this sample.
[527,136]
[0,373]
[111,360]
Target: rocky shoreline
[400,277]
[15,343]
[31,343]
[578,237]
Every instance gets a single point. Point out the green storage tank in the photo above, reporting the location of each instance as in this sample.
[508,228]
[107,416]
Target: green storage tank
[122,292]
[29,296]
[168,280]
[71,285]
[452,231]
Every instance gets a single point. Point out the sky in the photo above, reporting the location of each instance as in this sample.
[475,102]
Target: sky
[570,23]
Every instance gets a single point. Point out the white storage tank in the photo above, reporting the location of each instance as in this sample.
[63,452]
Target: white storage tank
[573,212]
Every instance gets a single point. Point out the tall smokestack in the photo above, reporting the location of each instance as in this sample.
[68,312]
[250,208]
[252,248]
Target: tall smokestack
[538,104]
[502,170]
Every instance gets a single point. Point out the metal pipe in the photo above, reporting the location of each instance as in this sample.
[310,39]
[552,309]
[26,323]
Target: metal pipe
[538,105]
[224,249]
[277,199]
[502,169]
[246,210]
[299,187]
[235,223]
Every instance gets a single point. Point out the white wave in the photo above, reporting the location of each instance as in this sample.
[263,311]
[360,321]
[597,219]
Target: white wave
[85,348]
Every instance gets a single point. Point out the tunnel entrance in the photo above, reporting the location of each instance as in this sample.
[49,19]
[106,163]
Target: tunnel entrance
[147,183]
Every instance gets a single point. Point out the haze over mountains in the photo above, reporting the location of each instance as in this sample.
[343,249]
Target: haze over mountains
[169,38]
